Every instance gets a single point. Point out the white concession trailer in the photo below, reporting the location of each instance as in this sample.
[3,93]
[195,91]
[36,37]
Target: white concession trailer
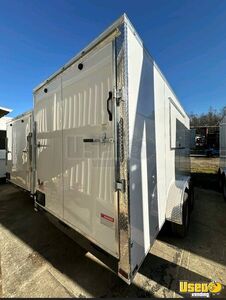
[20,149]
[112,149]
[3,122]
[222,161]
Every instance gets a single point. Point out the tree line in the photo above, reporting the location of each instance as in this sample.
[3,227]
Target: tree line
[211,118]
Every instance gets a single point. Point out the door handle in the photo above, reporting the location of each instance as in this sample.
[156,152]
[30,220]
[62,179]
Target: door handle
[89,140]
[109,109]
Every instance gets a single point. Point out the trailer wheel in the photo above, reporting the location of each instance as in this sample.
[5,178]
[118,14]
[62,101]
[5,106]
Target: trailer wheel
[3,180]
[224,187]
[182,230]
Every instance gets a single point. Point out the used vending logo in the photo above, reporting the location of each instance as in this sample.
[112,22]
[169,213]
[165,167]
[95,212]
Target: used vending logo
[200,289]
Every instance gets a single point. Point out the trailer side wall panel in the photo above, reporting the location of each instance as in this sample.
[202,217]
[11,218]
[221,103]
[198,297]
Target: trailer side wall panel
[142,149]
[158,149]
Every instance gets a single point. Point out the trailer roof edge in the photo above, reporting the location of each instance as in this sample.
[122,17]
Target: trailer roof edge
[21,115]
[122,19]
[91,45]
[136,34]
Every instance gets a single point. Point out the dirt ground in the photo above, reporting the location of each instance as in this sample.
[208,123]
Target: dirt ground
[38,260]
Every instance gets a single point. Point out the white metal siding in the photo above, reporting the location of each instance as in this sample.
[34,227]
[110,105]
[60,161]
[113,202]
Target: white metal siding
[48,119]
[88,168]
[78,178]
[143,197]
[156,130]
[177,160]
[162,136]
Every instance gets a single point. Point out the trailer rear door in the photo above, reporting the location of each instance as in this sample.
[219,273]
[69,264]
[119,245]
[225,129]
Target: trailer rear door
[2,153]
[48,124]
[18,159]
[90,203]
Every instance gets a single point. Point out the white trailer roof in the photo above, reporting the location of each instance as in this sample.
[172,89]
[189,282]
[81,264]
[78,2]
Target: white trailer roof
[109,31]
[4,111]
[26,113]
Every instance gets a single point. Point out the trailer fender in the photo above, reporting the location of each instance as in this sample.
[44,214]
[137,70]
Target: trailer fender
[175,200]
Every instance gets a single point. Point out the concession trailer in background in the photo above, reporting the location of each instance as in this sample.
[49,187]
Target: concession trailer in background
[20,149]
[112,150]
[3,122]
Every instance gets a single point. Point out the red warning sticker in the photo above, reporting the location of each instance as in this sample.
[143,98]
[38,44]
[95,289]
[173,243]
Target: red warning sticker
[106,217]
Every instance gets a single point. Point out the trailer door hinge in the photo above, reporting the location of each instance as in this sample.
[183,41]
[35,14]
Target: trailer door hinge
[118,96]
[121,185]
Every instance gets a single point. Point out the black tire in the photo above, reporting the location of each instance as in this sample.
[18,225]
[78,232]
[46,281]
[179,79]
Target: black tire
[182,230]
[3,180]
[224,188]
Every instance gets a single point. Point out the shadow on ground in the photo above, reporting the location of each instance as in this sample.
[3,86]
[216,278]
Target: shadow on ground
[205,181]
[207,234]
[18,216]
[208,227]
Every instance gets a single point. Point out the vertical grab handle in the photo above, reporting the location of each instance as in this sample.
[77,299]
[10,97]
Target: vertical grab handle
[109,106]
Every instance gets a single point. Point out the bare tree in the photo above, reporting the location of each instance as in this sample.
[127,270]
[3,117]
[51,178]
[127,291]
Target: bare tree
[211,118]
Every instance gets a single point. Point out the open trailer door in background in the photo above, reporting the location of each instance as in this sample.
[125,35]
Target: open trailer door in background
[19,158]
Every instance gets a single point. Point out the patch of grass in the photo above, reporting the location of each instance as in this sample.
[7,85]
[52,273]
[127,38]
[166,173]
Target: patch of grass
[204,172]
[204,165]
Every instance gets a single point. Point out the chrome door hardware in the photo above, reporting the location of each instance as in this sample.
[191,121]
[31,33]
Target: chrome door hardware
[103,140]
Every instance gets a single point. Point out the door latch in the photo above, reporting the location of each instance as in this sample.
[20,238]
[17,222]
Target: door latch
[118,95]
[103,140]
[121,185]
